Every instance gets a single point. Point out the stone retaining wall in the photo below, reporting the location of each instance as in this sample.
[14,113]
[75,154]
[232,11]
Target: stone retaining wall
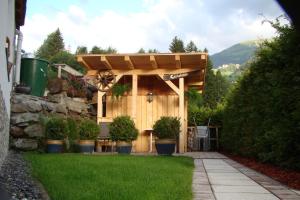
[4,129]
[26,129]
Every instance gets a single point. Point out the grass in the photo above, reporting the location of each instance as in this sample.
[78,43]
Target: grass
[77,176]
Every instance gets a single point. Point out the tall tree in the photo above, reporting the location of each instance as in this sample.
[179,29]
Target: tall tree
[141,50]
[153,51]
[81,50]
[110,50]
[176,45]
[66,58]
[96,50]
[52,45]
[191,47]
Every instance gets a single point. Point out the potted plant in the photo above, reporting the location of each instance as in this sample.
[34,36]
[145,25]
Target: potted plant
[166,129]
[73,135]
[123,131]
[56,129]
[88,133]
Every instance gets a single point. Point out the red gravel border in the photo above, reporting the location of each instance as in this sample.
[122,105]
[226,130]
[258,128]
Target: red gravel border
[290,178]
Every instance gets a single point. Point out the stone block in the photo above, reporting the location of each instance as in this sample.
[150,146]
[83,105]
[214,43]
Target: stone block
[25,144]
[33,106]
[61,108]
[18,108]
[76,106]
[34,131]
[16,131]
[24,117]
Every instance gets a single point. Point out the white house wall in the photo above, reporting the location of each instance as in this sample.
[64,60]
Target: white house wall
[7,29]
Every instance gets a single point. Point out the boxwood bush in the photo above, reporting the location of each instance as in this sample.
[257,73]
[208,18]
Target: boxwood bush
[123,129]
[167,128]
[88,130]
[56,128]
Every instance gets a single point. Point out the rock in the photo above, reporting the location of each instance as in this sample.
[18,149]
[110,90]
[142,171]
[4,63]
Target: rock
[61,108]
[33,106]
[16,131]
[56,98]
[18,108]
[24,117]
[25,144]
[76,106]
[48,106]
[35,131]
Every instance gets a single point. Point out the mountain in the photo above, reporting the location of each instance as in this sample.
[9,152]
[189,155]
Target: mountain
[236,54]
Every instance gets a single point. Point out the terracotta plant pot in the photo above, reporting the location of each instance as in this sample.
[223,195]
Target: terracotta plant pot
[165,146]
[86,146]
[124,147]
[55,146]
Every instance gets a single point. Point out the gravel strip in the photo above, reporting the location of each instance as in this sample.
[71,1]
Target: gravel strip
[16,179]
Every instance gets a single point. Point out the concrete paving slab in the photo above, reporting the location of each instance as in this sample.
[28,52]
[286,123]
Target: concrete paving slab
[244,196]
[239,189]
[234,176]
[232,182]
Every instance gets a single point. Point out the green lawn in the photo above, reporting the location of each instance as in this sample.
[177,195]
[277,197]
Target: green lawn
[77,176]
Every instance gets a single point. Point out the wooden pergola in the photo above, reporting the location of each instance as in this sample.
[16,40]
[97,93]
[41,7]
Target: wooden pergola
[169,75]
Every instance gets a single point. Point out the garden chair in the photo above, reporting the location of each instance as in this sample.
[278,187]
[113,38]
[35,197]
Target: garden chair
[202,133]
[104,135]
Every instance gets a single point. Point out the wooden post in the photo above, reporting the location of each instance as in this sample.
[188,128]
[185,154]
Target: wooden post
[59,71]
[181,115]
[134,96]
[100,106]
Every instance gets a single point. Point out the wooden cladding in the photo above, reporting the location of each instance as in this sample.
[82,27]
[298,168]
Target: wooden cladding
[146,113]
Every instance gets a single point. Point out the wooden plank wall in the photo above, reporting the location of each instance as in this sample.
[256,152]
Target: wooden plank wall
[147,113]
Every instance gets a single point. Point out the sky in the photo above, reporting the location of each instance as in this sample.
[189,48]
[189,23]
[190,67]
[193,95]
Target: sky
[129,25]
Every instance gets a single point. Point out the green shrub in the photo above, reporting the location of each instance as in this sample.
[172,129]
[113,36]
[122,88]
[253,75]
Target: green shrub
[202,115]
[56,128]
[88,129]
[73,131]
[262,114]
[167,128]
[123,129]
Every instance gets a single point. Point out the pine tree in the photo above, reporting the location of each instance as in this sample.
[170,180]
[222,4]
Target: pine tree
[153,51]
[141,50]
[191,47]
[176,45]
[96,50]
[81,50]
[52,45]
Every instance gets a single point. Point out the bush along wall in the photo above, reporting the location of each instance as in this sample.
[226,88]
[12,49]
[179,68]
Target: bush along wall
[262,114]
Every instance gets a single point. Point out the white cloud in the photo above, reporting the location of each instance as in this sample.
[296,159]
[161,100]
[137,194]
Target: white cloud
[195,20]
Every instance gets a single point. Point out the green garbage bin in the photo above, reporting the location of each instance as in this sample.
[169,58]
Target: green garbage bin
[34,75]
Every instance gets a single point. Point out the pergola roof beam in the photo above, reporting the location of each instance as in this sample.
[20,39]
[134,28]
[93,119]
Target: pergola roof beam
[177,61]
[128,62]
[153,62]
[105,62]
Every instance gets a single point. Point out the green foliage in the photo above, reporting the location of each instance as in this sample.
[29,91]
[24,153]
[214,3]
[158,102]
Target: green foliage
[262,115]
[119,90]
[167,128]
[56,128]
[141,50]
[191,47]
[88,129]
[123,129]
[73,132]
[99,50]
[202,115]
[176,45]
[195,99]
[81,50]
[66,58]
[153,51]
[52,45]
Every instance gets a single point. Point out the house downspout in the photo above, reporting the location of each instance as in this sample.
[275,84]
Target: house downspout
[18,57]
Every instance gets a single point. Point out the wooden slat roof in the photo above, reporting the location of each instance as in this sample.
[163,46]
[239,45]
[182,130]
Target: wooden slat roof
[143,61]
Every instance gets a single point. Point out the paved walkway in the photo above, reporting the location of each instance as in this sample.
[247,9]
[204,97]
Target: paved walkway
[217,177]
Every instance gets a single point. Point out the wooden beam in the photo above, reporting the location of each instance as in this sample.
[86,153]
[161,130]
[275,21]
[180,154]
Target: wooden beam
[181,116]
[153,62]
[128,62]
[134,96]
[105,62]
[147,71]
[82,61]
[177,61]
[171,84]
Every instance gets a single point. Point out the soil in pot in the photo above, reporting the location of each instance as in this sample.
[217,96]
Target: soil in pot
[165,146]
[124,147]
[55,146]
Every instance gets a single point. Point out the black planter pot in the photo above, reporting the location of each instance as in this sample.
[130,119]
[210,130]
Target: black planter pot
[165,146]
[86,146]
[22,89]
[55,146]
[124,147]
